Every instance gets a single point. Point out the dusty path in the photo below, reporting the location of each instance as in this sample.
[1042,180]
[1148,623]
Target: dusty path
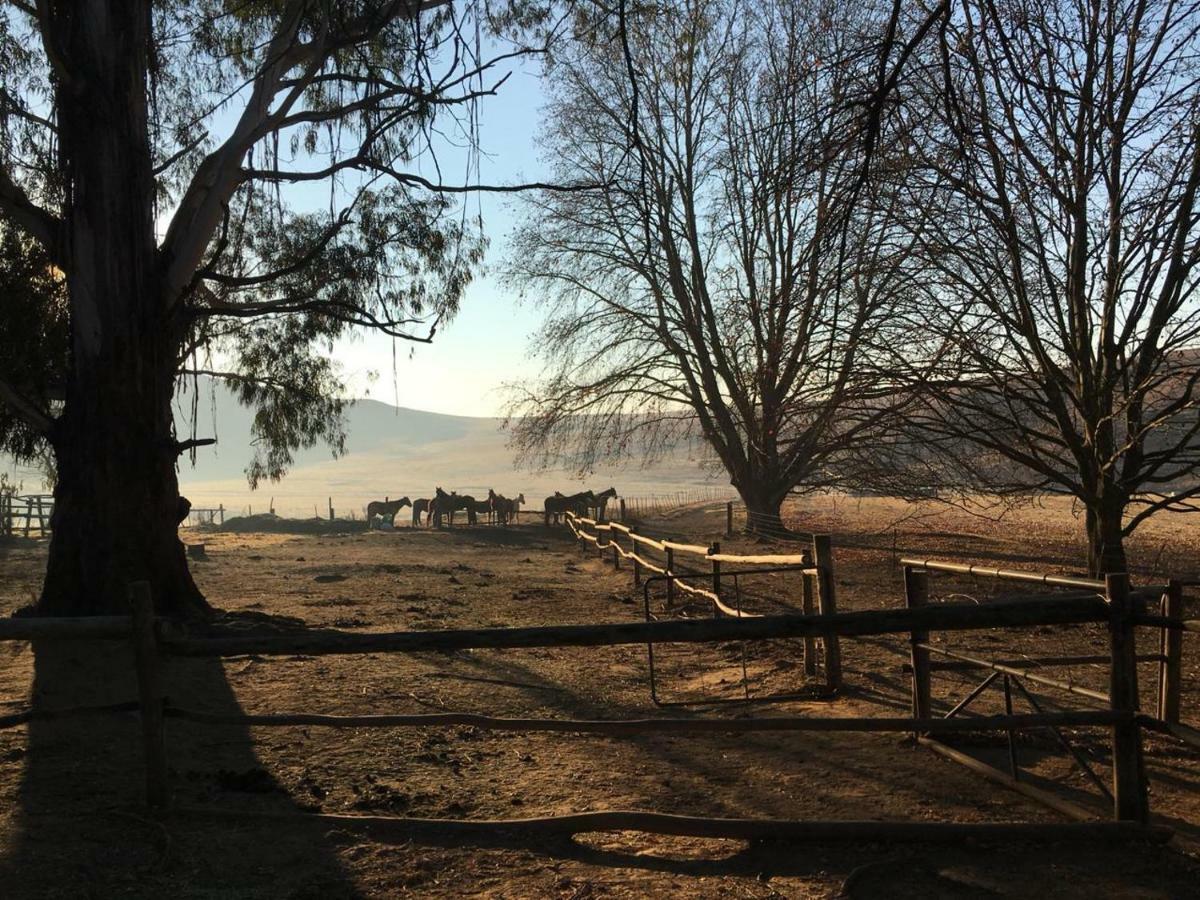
[69,824]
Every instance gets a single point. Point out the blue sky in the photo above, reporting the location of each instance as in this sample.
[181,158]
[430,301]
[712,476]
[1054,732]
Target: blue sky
[463,371]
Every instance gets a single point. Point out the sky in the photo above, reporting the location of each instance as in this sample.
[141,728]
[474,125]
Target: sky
[485,346]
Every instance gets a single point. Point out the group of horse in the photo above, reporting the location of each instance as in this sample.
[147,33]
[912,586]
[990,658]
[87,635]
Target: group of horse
[585,503]
[496,509]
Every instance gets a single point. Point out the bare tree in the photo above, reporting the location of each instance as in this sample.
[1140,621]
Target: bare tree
[1063,142]
[147,151]
[734,278]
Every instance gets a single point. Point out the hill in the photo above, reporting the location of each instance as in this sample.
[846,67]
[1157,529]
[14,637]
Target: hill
[391,451]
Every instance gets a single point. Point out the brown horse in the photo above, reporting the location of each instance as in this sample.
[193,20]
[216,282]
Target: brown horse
[385,509]
[600,503]
[444,504]
[420,508]
[504,509]
[561,503]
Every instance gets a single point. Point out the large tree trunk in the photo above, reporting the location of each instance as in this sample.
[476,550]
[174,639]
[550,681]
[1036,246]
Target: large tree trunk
[763,505]
[1106,541]
[117,504]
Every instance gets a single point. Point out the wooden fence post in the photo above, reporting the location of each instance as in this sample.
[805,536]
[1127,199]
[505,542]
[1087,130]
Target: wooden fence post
[1129,784]
[150,693]
[810,643]
[729,519]
[330,509]
[1170,668]
[827,599]
[670,566]
[615,543]
[623,509]
[633,548]
[221,510]
[716,568]
[916,595]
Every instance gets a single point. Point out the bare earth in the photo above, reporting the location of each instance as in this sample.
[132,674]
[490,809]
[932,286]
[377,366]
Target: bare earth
[70,792]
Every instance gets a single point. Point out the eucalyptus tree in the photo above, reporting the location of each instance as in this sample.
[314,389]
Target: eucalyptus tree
[1063,140]
[207,185]
[736,276]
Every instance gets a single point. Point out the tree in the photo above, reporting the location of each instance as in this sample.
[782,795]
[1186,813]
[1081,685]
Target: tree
[150,155]
[736,275]
[1063,143]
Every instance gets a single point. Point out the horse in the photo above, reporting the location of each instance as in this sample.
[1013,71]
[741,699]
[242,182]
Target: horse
[558,504]
[444,504]
[385,509]
[600,502]
[503,508]
[480,506]
[420,507]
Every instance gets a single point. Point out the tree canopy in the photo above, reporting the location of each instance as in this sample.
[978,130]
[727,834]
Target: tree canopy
[737,273]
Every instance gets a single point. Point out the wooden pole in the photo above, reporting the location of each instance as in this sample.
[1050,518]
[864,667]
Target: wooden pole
[150,693]
[615,543]
[221,510]
[809,608]
[729,519]
[670,577]
[868,725]
[716,568]
[942,617]
[861,832]
[1129,785]
[1170,668]
[991,773]
[330,509]
[827,594]
[623,519]
[916,595]
[633,546]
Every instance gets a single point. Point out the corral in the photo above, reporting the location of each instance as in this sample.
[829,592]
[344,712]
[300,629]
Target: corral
[276,585]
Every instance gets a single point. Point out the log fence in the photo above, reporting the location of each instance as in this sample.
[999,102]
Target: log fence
[25,514]
[1115,607]
[815,570]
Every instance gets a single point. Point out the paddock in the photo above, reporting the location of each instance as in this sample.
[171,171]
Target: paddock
[516,763]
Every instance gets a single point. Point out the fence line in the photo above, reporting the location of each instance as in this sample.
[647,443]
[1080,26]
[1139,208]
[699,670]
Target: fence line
[31,507]
[818,579]
[606,538]
[154,639]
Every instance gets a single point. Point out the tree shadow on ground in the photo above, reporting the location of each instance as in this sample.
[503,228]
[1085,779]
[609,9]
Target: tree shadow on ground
[81,827]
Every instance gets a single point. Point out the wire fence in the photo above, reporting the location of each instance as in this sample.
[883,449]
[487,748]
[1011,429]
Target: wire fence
[665,504]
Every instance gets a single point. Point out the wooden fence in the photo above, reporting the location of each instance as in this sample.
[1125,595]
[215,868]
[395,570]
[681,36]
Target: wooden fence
[1169,620]
[25,514]
[1111,603]
[816,570]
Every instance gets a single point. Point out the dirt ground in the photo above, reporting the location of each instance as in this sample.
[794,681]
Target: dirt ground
[71,824]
